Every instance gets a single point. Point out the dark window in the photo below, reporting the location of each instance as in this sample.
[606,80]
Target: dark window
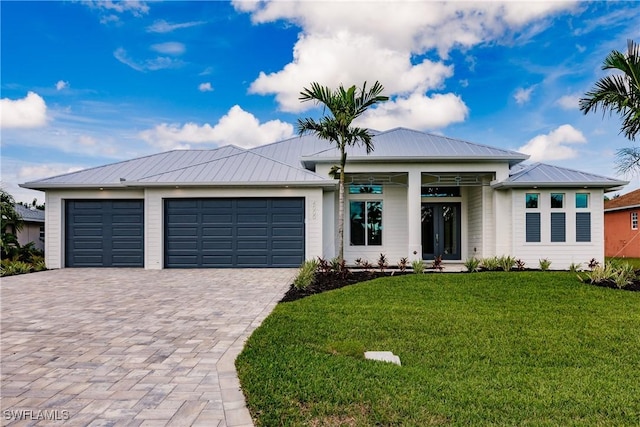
[634,220]
[583,227]
[533,227]
[366,223]
[558,227]
[532,200]
[42,232]
[557,200]
[440,191]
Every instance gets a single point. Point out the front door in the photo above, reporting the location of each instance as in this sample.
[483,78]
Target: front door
[441,231]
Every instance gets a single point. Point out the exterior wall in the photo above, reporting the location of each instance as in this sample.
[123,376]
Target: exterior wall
[475,224]
[619,239]
[394,227]
[31,233]
[54,234]
[329,224]
[503,217]
[561,254]
[489,223]
[154,215]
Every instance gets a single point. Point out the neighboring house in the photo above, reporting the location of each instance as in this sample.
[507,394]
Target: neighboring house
[33,226]
[621,231]
[417,196]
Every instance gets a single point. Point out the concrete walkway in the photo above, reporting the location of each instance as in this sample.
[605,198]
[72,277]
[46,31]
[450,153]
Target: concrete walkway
[129,347]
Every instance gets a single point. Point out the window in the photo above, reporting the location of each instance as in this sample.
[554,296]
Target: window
[557,200]
[440,192]
[365,189]
[533,227]
[366,223]
[583,227]
[42,232]
[634,220]
[582,200]
[531,200]
[558,229]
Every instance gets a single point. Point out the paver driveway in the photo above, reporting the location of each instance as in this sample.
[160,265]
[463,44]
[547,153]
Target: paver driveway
[130,347]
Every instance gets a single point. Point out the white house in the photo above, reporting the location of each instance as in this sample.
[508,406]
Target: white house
[417,196]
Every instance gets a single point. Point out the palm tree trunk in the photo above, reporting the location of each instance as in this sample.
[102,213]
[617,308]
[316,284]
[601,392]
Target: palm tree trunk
[343,161]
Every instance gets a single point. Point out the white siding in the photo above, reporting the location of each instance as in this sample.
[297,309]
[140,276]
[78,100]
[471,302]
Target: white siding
[154,219]
[488,223]
[54,233]
[475,210]
[329,224]
[561,254]
[394,227]
[503,220]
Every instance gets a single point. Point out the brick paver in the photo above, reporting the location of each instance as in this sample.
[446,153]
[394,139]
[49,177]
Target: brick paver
[130,347]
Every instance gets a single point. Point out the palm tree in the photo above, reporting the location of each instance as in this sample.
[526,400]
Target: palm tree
[344,105]
[620,93]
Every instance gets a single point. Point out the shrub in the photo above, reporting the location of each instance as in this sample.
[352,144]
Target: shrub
[600,274]
[506,262]
[306,274]
[472,264]
[11,267]
[593,263]
[382,262]
[520,264]
[624,274]
[544,264]
[437,263]
[575,267]
[402,264]
[323,265]
[491,264]
[418,266]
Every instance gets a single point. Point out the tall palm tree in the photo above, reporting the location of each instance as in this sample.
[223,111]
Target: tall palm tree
[344,105]
[620,93]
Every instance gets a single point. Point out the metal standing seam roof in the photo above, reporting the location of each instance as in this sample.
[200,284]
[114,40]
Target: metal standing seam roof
[541,174]
[131,170]
[240,169]
[29,215]
[402,144]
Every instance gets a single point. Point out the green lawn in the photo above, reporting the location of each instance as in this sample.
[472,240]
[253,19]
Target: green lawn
[530,348]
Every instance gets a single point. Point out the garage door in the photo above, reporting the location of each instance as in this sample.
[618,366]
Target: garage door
[104,233]
[251,232]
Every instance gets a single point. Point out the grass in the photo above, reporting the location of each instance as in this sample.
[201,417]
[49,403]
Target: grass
[635,262]
[531,348]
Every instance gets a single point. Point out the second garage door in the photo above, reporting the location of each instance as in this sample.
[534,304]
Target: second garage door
[230,232]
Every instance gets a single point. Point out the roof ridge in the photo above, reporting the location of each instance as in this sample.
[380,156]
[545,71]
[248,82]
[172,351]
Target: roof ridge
[574,170]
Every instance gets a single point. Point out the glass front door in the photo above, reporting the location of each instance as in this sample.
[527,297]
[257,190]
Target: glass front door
[441,230]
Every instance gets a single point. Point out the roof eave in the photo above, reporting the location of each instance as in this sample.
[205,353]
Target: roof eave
[621,208]
[607,186]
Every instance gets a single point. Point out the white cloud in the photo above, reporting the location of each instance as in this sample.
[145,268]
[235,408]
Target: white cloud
[28,112]
[135,7]
[15,172]
[62,85]
[522,95]
[569,102]
[416,112]
[345,58]
[162,26]
[169,48]
[337,44]
[237,127]
[554,145]
[159,63]
[205,87]
[581,48]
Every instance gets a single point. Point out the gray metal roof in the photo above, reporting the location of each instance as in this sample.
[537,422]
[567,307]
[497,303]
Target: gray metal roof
[131,170]
[544,175]
[239,169]
[403,145]
[29,215]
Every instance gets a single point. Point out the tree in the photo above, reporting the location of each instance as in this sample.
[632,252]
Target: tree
[344,105]
[11,223]
[620,93]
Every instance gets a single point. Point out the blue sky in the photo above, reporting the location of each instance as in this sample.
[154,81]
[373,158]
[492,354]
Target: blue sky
[90,83]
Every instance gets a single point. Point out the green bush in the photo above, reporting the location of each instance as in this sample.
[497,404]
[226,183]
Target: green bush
[306,274]
[418,266]
[491,264]
[472,264]
[544,264]
[506,262]
[575,267]
[11,268]
[624,274]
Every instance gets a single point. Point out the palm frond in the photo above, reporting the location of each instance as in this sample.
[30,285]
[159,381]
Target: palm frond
[628,160]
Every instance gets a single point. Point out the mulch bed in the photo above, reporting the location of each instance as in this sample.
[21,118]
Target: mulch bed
[635,286]
[326,281]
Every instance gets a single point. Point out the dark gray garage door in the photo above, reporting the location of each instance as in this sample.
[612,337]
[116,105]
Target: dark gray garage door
[251,232]
[104,233]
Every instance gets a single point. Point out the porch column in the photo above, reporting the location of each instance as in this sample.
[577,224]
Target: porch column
[414,223]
